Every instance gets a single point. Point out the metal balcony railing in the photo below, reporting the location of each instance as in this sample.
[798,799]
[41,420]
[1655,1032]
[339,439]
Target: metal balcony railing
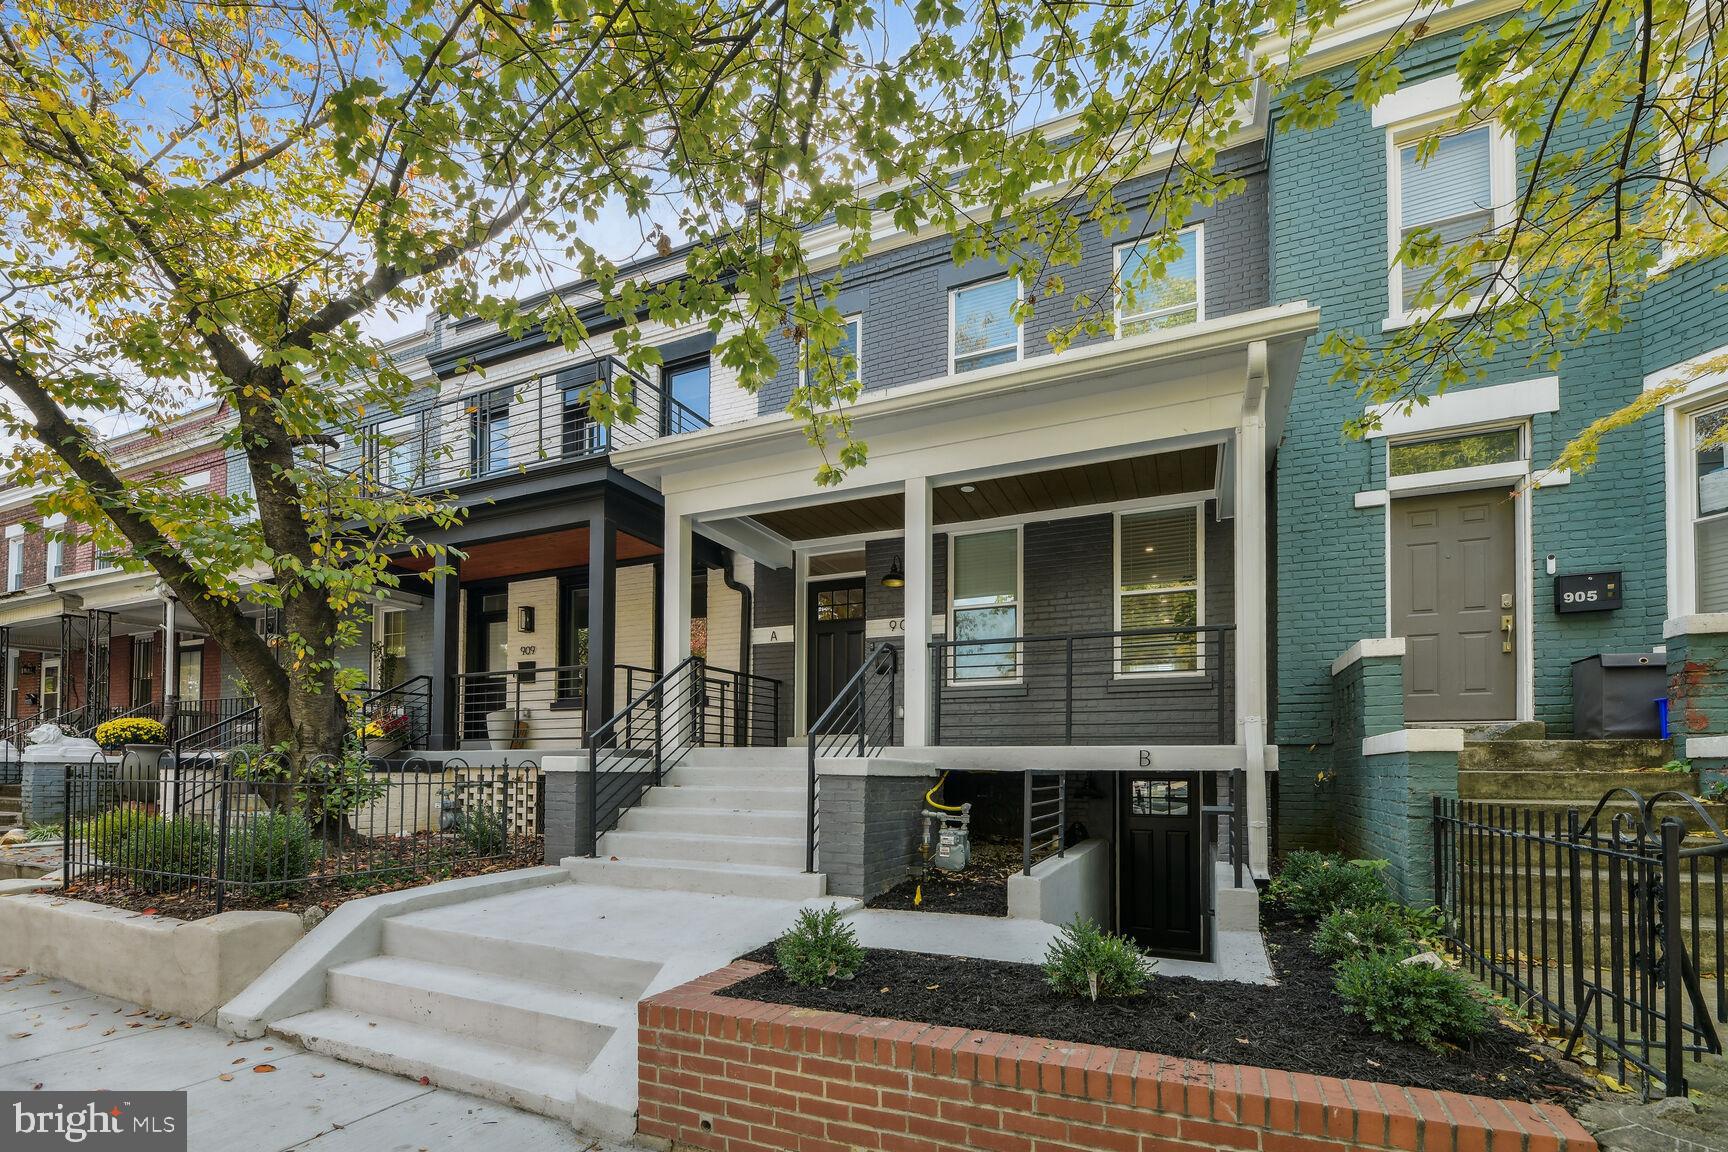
[508,429]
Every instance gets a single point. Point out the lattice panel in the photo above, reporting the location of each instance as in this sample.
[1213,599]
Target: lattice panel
[517,794]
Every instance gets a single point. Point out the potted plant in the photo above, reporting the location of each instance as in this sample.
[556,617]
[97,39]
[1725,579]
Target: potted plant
[141,741]
[385,734]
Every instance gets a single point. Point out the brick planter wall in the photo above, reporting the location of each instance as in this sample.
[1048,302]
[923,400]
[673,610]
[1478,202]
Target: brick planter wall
[735,1075]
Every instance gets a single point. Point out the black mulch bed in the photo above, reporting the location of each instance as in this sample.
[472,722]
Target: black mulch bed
[1297,1025]
[980,890]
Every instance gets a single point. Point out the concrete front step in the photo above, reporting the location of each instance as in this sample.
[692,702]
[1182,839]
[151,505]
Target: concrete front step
[422,937]
[768,883]
[1584,788]
[739,822]
[571,1027]
[503,1072]
[777,851]
[746,758]
[707,776]
[1563,755]
[751,799]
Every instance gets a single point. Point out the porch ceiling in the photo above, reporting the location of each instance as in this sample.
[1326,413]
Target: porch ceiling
[1100,482]
[527,555]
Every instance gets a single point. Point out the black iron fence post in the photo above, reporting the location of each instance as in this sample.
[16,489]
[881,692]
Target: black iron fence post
[65,828]
[1673,955]
[1238,822]
[1440,831]
[1575,889]
[223,777]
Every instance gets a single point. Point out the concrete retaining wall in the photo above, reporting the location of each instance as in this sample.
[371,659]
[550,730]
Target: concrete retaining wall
[187,968]
[729,1075]
[1063,887]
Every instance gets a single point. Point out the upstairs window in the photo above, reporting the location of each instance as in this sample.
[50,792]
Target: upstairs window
[982,327]
[1451,191]
[15,564]
[845,360]
[687,384]
[56,559]
[1158,591]
[1710,522]
[985,569]
[489,432]
[1145,302]
[395,451]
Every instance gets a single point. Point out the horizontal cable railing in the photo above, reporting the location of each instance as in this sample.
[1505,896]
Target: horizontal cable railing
[1606,926]
[509,429]
[1044,812]
[242,830]
[739,709]
[858,722]
[1136,686]
[523,707]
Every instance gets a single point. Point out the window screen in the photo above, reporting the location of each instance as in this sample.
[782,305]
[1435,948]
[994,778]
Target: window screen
[985,331]
[1145,302]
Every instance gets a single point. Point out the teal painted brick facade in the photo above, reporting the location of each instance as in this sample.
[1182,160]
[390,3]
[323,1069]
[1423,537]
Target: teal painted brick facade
[1328,198]
[1382,805]
[1698,695]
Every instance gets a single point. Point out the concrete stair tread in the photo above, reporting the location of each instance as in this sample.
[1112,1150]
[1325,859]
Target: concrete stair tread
[488,987]
[503,1072]
[429,935]
[768,881]
[740,823]
[705,848]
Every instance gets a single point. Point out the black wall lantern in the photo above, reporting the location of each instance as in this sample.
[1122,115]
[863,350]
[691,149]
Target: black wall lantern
[895,577]
[525,618]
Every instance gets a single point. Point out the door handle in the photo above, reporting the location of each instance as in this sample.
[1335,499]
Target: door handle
[1506,625]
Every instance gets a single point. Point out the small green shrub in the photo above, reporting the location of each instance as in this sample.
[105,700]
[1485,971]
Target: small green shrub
[1085,960]
[1411,1001]
[484,829]
[1311,884]
[273,849]
[1389,929]
[37,833]
[163,853]
[819,947]
[106,833]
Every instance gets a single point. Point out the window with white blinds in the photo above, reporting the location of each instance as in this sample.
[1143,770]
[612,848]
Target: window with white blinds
[15,564]
[1450,191]
[985,585]
[1159,563]
[982,328]
[1710,523]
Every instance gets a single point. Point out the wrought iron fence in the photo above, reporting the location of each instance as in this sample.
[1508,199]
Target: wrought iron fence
[1137,686]
[1602,925]
[209,831]
[859,722]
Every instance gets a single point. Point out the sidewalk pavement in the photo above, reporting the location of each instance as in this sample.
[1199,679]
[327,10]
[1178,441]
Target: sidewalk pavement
[259,1095]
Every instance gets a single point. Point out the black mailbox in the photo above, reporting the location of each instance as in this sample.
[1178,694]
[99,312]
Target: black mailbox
[1616,694]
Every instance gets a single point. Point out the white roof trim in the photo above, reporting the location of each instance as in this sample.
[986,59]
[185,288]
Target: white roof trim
[1417,101]
[1370,647]
[1467,407]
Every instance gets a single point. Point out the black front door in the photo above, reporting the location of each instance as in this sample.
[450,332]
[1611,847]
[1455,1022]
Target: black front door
[1163,878]
[836,616]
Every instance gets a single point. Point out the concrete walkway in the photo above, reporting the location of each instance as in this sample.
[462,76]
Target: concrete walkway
[55,1035]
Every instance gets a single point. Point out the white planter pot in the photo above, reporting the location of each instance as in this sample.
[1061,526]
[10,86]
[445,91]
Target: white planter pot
[504,729]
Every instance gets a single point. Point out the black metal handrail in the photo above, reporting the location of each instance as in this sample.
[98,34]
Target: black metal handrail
[1237,828]
[632,750]
[541,703]
[508,429]
[207,748]
[858,722]
[1044,817]
[1131,686]
[402,713]
[1600,927]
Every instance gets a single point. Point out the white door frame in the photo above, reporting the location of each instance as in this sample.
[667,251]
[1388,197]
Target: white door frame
[1514,477]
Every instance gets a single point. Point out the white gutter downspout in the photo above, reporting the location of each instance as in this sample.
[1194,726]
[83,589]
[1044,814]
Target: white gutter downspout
[1251,613]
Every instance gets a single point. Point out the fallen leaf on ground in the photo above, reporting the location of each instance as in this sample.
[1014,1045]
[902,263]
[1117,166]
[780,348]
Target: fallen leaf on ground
[19,1035]
[226,1076]
[426,1081]
[263,1067]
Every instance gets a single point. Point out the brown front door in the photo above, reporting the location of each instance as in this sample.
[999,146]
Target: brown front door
[1452,595]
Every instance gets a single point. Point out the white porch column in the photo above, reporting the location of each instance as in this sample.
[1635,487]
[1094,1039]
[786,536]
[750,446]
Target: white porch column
[915,670]
[675,618]
[1251,598]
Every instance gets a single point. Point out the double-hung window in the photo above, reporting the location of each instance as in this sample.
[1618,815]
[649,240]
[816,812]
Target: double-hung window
[143,678]
[1144,300]
[392,641]
[1159,580]
[15,564]
[395,451]
[1448,186]
[985,591]
[841,365]
[56,558]
[1710,517]
[982,326]
[489,432]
